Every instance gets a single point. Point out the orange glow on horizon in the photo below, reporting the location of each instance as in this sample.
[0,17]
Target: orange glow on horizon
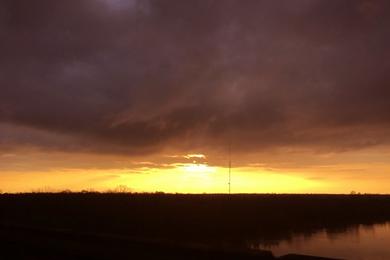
[191,173]
[182,178]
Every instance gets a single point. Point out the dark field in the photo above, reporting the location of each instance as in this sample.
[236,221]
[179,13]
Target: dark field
[109,226]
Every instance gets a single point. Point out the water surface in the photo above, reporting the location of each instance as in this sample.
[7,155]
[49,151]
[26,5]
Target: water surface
[361,242]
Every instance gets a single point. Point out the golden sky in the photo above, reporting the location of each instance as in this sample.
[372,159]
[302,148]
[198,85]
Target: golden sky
[363,171]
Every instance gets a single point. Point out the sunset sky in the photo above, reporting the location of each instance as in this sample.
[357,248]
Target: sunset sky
[151,93]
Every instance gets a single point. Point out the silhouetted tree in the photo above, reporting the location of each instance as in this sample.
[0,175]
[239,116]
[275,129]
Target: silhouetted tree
[122,189]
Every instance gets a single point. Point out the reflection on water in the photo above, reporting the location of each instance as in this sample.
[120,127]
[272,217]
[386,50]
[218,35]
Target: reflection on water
[358,243]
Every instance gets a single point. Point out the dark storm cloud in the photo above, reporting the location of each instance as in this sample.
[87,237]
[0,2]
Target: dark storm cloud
[131,76]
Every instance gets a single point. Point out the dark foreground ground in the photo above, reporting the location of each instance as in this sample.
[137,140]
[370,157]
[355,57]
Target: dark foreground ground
[112,226]
[31,243]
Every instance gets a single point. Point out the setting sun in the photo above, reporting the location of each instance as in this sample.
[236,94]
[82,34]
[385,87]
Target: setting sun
[198,168]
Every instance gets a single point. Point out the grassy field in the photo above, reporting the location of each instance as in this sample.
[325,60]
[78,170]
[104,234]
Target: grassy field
[208,222]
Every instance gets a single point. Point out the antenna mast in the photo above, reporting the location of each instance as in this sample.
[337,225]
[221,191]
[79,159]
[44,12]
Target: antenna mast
[230,167]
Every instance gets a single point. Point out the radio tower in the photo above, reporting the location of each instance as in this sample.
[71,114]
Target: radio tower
[230,167]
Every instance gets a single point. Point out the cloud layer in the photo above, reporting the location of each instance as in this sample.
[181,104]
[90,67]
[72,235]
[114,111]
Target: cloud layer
[140,76]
